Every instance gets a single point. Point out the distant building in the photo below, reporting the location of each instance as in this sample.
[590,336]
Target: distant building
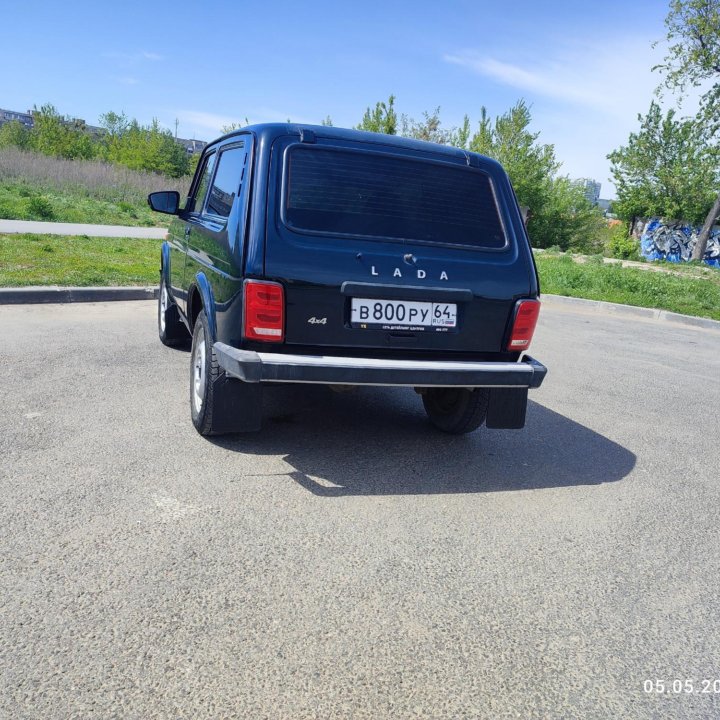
[7,116]
[604,205]
[591,189]
[192,147]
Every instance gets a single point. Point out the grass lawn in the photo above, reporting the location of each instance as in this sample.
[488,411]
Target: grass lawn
[21,201]
[689,290]
[77,261]
[83,261]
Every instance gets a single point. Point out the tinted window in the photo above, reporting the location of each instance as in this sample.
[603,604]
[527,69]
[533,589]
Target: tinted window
[202,188]
[357,193]
[226,184]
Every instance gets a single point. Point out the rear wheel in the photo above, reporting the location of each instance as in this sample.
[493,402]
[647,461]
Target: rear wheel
[171,329]
[456,410]
[219,404]
[204,372]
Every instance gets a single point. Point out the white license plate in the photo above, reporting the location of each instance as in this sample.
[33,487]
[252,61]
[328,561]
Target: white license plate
[402,314]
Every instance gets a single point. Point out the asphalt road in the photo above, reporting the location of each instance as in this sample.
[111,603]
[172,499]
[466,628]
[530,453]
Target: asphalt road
[351,562]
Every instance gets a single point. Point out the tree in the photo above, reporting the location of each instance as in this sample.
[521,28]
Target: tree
[666,169]
[383,119]
[138,147]
[559,213]
[429,129]
[567,219]
[693,58]
[327,122]
[14,134]
[53,134]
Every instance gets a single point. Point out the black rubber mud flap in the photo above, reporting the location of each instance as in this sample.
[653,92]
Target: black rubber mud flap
[507,408]
[238,406]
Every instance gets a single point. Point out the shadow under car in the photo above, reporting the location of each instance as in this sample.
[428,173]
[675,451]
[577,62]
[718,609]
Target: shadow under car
[377,441]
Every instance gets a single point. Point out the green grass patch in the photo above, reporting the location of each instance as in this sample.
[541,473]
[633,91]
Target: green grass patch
[77,261]
[84,261]
[24,201]
[689,290]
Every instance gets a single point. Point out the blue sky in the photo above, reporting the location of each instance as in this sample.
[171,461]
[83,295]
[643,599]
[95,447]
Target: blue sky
[585,68]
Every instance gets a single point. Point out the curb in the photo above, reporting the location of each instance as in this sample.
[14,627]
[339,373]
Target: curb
[631,311]
[57,294]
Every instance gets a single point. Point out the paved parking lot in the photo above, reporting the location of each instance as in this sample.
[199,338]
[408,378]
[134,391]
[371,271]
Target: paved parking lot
[350,561]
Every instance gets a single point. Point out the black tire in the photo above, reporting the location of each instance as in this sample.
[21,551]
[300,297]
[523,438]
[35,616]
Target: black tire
[456,410]
[171,329]
[219,404]
[205,374]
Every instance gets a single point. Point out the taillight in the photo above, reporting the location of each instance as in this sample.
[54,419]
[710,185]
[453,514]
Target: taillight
[264,311]
[526,317]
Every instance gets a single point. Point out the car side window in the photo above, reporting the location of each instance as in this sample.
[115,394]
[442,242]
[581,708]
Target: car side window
[227,182]
[201,190]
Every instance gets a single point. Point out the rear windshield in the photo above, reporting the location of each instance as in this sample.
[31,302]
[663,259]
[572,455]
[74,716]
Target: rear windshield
[342,192]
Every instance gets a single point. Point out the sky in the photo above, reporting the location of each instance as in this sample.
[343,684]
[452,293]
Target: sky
[584,68]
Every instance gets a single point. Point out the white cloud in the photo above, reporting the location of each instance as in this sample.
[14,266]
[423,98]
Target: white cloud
[547,81]
[128,60]
[585,96]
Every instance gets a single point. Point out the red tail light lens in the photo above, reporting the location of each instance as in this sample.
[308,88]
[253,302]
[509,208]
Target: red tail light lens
[264,311]
[526,317]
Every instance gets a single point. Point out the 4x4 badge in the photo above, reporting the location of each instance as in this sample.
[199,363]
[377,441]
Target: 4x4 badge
[317,321]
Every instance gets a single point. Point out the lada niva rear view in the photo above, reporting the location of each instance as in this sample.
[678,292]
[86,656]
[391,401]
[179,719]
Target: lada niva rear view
[319,255]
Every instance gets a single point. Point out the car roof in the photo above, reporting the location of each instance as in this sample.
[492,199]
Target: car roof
[270,131]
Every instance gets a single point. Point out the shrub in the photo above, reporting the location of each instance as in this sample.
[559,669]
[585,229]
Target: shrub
[621,245]
[40,208]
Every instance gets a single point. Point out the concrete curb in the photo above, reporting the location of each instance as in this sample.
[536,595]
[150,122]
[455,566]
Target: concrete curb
[57,294]
[630,311]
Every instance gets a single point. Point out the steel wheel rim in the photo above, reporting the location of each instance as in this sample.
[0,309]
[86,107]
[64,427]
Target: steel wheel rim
[199,377]
[163,306]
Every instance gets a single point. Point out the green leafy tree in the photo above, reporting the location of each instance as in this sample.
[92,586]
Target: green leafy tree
[14,134]
[381,119]
[567,219]
[327,122]
[115,126]
[430,130]
[427,129]
[559,213]
[139,147]
[667,168]
[460,137]
[692,59]
[530,164]
[53,134]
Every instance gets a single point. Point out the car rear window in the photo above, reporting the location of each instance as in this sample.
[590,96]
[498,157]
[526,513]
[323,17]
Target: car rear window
[342,192]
